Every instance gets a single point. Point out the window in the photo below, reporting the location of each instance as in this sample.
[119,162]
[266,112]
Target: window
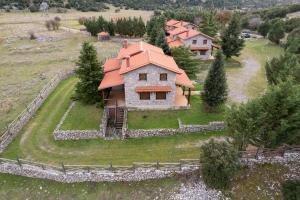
[161,95]
[145,96]
[194,41]
[202,53]
[204,41]
[143,77]
[163,77]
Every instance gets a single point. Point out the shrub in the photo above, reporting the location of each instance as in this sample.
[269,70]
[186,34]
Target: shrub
[291,190]
[61,10]
[33,8]
[31,35]
[82,20]
[219,163]
[48,25]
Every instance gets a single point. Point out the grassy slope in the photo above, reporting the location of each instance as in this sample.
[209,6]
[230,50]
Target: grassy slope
[16,187]
[35,142]
[262,50]
[83,117]
[168,119]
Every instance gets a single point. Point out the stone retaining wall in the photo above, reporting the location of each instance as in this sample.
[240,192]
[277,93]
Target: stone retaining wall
[75,176]
[139,133]
[80,134]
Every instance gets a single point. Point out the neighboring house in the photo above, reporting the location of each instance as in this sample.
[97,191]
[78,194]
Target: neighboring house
[143,77]
[173,24]
[186,35]
[103,36]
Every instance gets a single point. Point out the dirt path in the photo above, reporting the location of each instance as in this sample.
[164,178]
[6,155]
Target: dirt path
[238,79]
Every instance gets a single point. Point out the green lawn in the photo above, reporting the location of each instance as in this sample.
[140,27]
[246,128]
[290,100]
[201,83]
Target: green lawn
[35,142]
[83,117]
[168,118]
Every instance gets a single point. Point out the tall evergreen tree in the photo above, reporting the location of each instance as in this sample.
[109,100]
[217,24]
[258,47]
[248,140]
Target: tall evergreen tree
[90,73]
[215,86]
[231,43]
[264,28]
[183,58]
[161,42]
[209,25]
[276,32]
[154,33]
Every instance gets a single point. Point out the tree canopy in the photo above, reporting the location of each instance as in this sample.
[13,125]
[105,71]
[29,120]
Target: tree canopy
[231,43]
[90,74]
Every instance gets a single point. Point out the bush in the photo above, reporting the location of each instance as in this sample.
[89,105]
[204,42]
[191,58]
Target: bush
[31,35]
[61,10]
[219,163]
[82,20]
[291,190]
[33,8]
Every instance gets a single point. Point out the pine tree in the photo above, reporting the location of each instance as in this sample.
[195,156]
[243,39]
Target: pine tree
[184,60]
[153,35]
[215,86]
[276,32]
[161,42]
[231,43]
[90,74]
[209,25]
[141,27]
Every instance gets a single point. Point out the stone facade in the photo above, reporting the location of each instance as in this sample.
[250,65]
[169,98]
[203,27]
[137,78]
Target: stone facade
[199,44]
[153,72]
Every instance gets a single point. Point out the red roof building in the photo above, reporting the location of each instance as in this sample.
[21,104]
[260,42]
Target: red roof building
[147,77]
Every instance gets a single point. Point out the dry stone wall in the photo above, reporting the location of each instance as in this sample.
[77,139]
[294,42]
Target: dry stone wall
[15,126]
[184,129]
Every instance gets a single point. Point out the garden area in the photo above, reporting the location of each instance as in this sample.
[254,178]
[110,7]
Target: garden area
[35,142]
[168,118]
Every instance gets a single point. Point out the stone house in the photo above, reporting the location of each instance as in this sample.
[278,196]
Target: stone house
[143,77]
[186,35]
[173,24]
[103,36]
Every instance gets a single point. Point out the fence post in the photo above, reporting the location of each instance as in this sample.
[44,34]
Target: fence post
[157,165]
[180,165]
[110,166]
[63,167]
[19,162]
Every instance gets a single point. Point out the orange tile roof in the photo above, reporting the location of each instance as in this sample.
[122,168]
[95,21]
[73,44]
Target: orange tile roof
[192,33]
[183,79]
[137,48]
[175,43]
[103,33]
[181,24]
[111,79]
[171,22]
[112,64]
[169,39]
[177,31]
[158,88]
[149,57]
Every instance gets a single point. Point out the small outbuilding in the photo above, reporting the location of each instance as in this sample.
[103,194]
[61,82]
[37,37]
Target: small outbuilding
[103,36]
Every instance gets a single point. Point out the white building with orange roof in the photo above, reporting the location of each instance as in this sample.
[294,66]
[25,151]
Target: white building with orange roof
[143,77]
[180,34]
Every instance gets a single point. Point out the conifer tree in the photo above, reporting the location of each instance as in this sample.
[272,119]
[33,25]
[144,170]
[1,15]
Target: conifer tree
[231,43]
[215,86]
[90,74]
[184,60]
[161,42]
[276,32]
[209,25]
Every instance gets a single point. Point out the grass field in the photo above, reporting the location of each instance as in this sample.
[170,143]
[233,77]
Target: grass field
[36,142]
[262,50]
[168,118]
[27,65]
[83,117]
[17,187]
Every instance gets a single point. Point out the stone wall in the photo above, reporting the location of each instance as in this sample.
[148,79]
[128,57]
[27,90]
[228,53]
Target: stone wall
[183,129]
[92,175]
[15,126]
[80,134]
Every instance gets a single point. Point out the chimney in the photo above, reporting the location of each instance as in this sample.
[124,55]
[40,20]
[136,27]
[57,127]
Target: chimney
[125,44]
[127,61]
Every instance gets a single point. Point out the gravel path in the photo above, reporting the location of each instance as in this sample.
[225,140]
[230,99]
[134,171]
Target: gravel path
[239,79]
